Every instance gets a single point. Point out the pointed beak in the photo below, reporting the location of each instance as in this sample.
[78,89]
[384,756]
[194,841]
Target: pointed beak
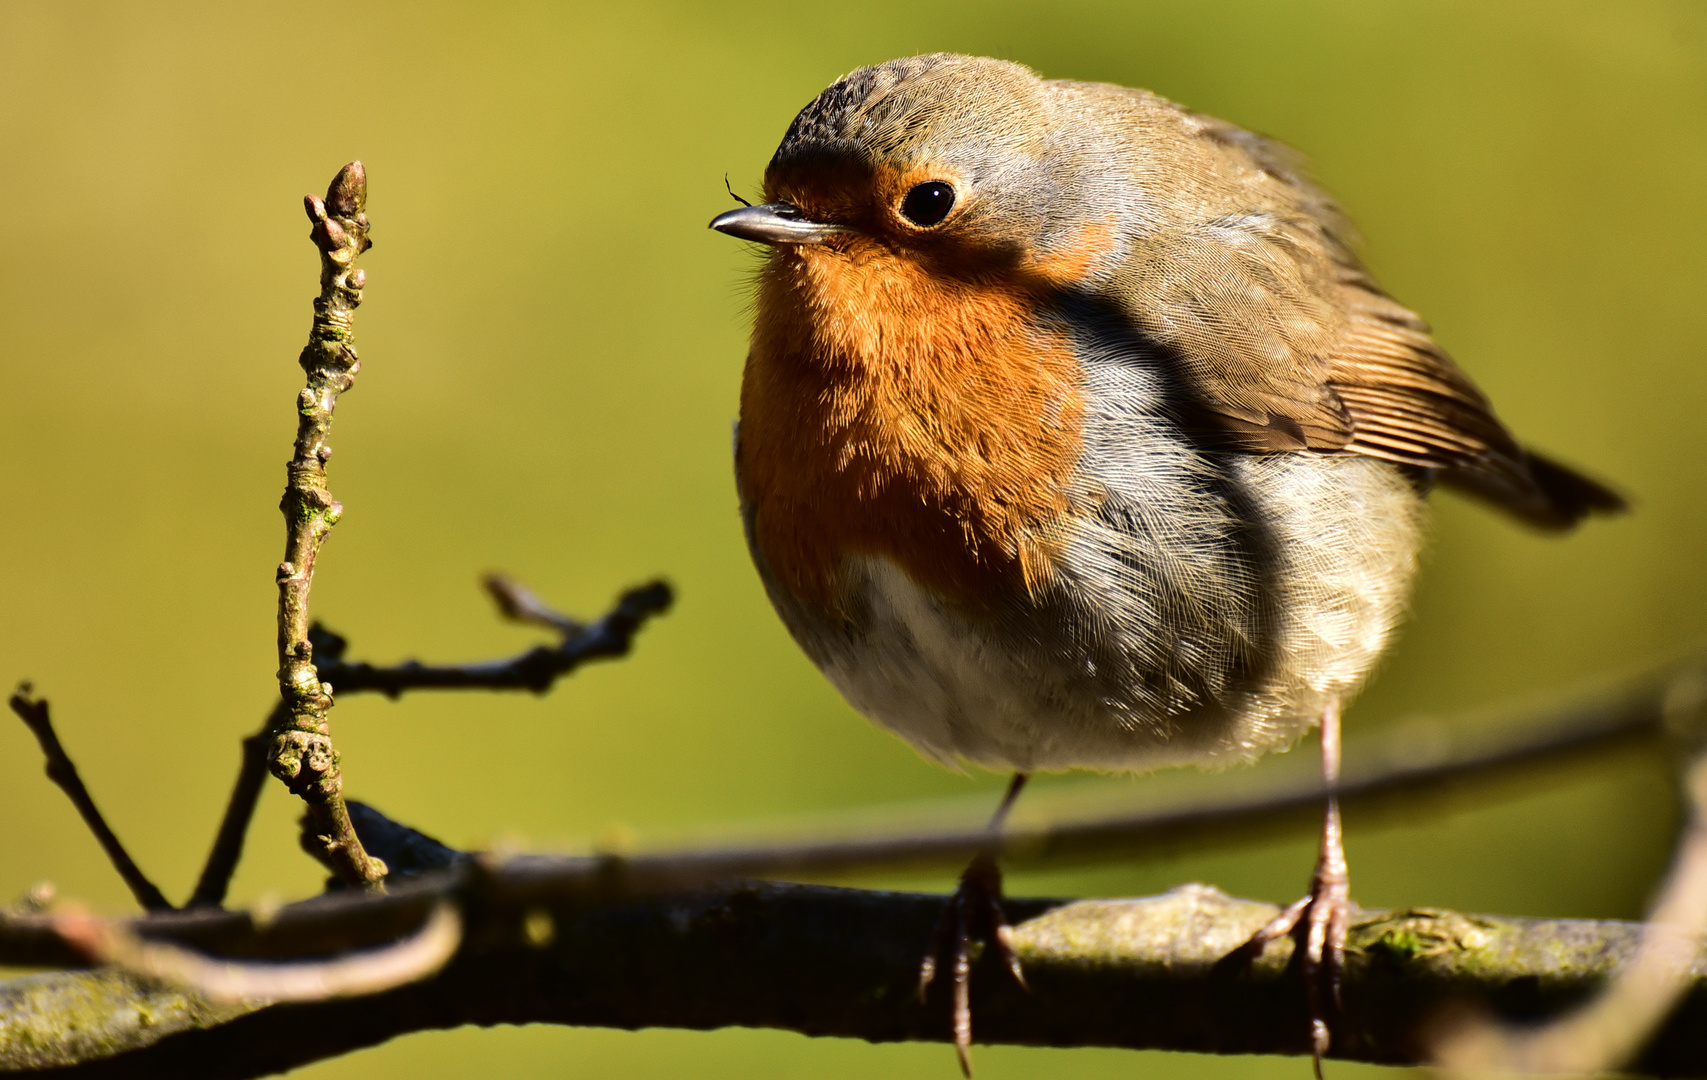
[775,223]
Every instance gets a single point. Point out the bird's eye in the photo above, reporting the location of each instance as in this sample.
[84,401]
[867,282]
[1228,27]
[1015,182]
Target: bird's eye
[928,203]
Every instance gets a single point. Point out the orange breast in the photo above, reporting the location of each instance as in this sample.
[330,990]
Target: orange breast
[889,411]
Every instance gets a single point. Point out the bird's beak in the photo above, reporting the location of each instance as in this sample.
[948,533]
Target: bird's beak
[775,223]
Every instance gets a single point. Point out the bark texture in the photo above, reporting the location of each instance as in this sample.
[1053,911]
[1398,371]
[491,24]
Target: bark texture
[1163,972]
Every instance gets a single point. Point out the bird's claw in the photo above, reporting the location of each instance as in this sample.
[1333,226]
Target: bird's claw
[973,913]
[1322,921]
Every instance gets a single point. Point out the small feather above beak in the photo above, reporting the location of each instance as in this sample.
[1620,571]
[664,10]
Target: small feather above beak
[775,223]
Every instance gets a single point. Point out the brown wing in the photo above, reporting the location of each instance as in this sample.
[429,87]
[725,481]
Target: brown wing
[1410,403]
[1287,345]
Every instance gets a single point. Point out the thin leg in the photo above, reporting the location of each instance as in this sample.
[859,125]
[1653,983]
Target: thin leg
[1325,914]
[974,913]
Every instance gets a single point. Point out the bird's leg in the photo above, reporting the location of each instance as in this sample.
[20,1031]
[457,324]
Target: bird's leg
[974,913]
[1325,914]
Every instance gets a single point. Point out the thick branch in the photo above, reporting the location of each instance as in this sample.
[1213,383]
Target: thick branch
[301,753]
[1159,973]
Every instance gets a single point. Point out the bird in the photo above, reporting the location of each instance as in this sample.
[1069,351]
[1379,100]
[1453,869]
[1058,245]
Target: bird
[1074,434]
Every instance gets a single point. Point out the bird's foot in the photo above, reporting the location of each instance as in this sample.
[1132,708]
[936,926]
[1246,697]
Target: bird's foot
[1321,922]
[974,913]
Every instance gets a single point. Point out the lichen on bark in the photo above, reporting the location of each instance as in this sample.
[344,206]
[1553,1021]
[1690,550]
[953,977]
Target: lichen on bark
[64,1018]
[549,941]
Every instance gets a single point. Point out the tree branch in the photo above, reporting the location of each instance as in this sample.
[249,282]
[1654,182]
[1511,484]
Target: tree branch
[301,753]
[60,769]
[536,670]
[1380,771]
[1162,973]
[239,812]
[1116,973]
[1605,1033]
[608,637]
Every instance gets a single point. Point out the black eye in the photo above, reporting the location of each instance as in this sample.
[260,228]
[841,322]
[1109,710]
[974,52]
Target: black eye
[928,203]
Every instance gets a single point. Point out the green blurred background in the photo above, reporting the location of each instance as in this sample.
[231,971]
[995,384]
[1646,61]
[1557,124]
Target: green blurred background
[552,342]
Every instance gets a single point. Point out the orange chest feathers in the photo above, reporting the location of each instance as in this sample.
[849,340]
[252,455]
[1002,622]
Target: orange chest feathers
[887,412]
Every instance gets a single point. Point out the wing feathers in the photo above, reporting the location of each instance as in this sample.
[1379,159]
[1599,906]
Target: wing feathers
[1286,345]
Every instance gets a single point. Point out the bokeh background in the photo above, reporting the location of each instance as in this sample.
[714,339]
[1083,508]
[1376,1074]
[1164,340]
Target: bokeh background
[552,343]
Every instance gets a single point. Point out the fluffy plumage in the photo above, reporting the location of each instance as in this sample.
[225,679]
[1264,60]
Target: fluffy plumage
[1121,464]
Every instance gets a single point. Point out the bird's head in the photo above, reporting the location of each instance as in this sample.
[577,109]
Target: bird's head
[957,163]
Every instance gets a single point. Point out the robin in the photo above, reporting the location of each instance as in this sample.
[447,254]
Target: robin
[1074,435]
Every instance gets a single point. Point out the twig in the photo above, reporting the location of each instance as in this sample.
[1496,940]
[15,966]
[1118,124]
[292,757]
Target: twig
[1607,1033]
[407,852]
[823,961]
[301,753]
[610,636]
[348,975]
[63,772]
[560,940]
[1637,713]
[535,670]
[1395,769]
[518,603]
[239,811]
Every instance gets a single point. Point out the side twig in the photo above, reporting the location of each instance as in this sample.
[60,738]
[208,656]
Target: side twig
[352,974]
[239,812]
[1607,1033]
[518,603]
[301,753]
[61,771]
[1638,714]
[610,636]
[535,670]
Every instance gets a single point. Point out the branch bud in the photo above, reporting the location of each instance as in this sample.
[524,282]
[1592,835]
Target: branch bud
[347,196]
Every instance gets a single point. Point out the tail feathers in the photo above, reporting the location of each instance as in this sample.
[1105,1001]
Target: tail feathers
[1557,499]
[1574,495]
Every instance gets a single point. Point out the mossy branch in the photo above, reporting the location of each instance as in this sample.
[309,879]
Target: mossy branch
[301,752]
[1161,973]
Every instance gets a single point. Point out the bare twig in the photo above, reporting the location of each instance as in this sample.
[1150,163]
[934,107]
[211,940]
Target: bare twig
[409,852]
[610,636]
[62,771]
[239,811]
[1394,769]
[518,603]
[347,975]
[559,940]
[301,752]
[1608,1032]
[535,670]
[1376,772]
